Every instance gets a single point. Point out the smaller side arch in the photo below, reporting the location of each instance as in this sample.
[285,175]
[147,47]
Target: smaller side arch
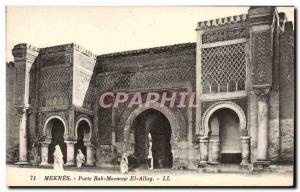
[87,136]
[47,133]
[219,105]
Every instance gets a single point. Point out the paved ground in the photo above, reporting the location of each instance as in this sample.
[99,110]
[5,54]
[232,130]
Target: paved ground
[220,168]
[95,176]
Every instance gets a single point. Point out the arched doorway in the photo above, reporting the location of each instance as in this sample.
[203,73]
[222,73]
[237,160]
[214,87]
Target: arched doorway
[154,123]
[83,136]
[56,130]
[175,119]
[224,128]
[224,135]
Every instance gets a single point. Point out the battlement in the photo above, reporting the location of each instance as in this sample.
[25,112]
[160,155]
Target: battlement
[69,46]
[57,48]
[84,51]
[26,46]
[222,21]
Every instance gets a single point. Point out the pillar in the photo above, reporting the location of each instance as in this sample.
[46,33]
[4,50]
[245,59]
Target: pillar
[89,154]
[262,25]
[245,140]
[203,149]
[70,152]
[44,152]
[215,151]
[24,58]
[113,138]
[263,129]
[263,124]
[22,135]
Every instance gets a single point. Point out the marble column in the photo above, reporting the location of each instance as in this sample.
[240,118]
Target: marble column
[22,135]
[245,140]
[44,152]
[262,123]
[89,154]
[203,140]
[215,151]
[70,152]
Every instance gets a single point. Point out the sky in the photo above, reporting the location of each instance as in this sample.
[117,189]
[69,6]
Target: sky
[110,29]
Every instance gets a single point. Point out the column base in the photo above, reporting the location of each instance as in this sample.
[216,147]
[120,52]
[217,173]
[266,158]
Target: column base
[22,163]
[246,167]
[45,164]
[213,163]
[202,164]
[261,165]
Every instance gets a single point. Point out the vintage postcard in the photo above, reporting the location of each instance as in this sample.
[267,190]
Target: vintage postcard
[150,96]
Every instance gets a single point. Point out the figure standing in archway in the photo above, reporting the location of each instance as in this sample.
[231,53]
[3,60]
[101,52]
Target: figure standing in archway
[83,136]
[124,166]
[58,159]
[80,158]
[150,157]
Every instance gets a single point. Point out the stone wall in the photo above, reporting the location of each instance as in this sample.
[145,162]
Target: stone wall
[55,76]
[287,94]
[12,131]
[154,69]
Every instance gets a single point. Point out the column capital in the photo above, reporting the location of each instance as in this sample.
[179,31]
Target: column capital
[24,109]
[262,92]
[214,141]
[45,143]
[245,138]
[203,139]
[70,142]
[88,144]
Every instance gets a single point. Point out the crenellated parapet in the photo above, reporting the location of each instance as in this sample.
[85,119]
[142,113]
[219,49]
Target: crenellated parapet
[224,29]
[203,25]
[25,53]
[68,47]
[26,46]
[57,48]
[84,51]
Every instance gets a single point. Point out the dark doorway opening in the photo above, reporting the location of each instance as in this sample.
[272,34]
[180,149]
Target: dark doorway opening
[231,157]
[157,125]
[57,132]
